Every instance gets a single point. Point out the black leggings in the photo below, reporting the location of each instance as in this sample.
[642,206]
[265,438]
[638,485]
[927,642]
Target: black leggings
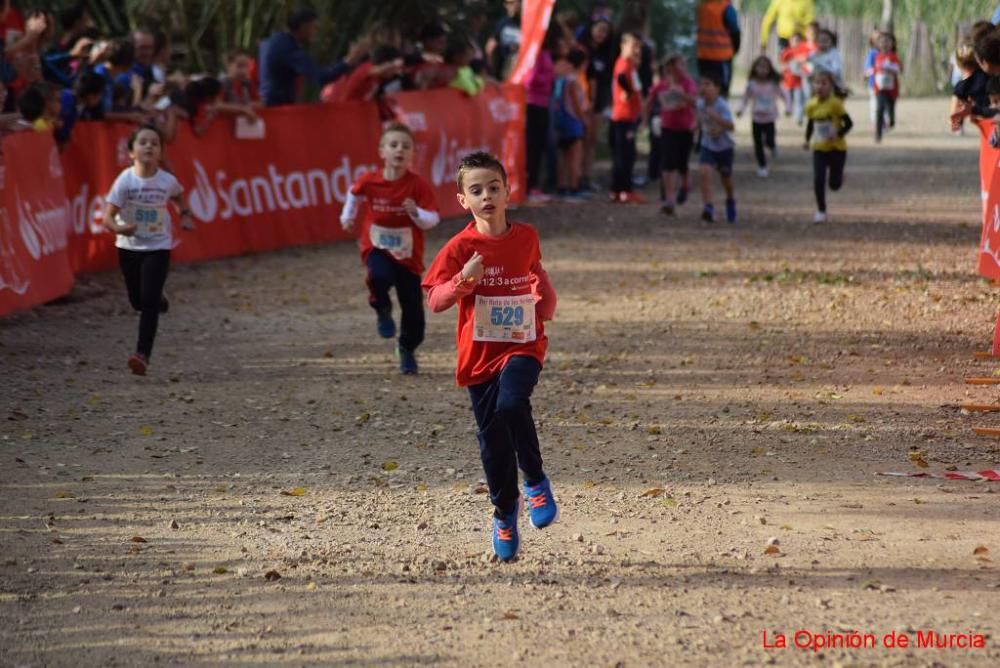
[145,273]
[536,130]
[623,156]
[823,161]
[886,104]
[763,135]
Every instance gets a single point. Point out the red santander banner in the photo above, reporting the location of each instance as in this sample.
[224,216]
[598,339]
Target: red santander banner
[283,189]
[34,223]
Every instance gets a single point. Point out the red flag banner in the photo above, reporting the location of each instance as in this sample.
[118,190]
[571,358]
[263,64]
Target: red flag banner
[34,223]
[989,176]
[535,17]
[247,195]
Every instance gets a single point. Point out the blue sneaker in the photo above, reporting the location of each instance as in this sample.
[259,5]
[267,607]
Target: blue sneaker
[506,540]
[730,211]
[386,325]
[407,361]
[682,196]
[708,213]
[542,508]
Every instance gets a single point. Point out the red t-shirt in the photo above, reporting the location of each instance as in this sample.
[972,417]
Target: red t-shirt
[887,69]
[675,114]
[386,224]
[626,104]
[513,275]
[792,60]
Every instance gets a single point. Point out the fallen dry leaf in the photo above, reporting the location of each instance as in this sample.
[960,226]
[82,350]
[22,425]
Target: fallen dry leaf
[390,465]
[220,570]
[64,495]
[772,549]
[271,576]
[295,491]
[138,539]
[653,492]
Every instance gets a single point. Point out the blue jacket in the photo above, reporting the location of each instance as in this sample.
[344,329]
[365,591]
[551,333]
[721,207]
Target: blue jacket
[282,61]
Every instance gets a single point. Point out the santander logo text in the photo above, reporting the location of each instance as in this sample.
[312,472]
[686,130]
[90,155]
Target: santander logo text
[43,231]
[225,197]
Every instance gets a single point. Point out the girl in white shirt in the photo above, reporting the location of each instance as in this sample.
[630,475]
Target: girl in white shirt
[762,93]
[136,211]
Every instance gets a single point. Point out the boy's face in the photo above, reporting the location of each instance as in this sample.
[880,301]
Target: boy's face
[988,67]
[146,148]
[632,49]
[240,68]
[396,150]
[708,90]
[824,42]
[484,194]
[884,43]
[823,86]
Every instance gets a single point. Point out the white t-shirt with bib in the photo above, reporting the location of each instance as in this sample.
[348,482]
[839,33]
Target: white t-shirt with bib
[144,202]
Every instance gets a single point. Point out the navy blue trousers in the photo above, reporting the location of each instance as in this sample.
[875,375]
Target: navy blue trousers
[507,436]
[385,273]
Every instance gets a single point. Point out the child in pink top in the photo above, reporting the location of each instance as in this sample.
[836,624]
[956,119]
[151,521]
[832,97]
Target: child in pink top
[538,85]
[762,93]
[676,94]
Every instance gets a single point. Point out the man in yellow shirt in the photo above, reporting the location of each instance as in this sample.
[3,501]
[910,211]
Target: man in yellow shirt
[792,17]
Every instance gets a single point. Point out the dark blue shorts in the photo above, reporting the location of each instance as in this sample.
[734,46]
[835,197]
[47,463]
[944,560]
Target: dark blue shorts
[721,160]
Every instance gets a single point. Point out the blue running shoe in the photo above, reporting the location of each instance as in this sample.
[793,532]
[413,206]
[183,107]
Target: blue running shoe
[708,213]
[542,508]
[407,361]
[682,196]
[506,540]
[730,211]
[386,325]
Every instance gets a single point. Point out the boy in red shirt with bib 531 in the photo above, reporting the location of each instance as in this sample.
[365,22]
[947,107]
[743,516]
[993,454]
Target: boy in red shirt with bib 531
[493,270]
[400,206]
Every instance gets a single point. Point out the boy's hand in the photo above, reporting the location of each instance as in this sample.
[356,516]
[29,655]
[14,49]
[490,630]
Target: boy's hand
[187,222]
[348,225]
[410,207]
[125,229]
[473,268]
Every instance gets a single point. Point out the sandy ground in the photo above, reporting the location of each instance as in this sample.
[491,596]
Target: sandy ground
[709,390]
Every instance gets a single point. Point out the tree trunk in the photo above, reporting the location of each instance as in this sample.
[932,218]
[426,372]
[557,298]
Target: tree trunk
[888,15]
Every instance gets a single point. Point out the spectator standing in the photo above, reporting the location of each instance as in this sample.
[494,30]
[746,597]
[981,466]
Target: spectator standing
[283,60]
[503,44]
[789,17]
[144,45]
[718,40]
[598,40]
[238,86]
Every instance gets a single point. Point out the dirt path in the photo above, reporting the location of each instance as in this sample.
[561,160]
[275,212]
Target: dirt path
[708,389]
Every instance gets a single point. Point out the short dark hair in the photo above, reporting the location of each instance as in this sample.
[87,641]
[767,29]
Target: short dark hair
[993,86]
[712,77]
[988,48]
[237,53]
[145,126]
[122,53]
[31,103]
[577,57]
[301,17]
[479,160]
[980,29]
[89,83]
[395,126]
[69,17]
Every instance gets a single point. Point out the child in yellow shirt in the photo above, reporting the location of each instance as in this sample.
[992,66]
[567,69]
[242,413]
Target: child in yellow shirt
[828,125]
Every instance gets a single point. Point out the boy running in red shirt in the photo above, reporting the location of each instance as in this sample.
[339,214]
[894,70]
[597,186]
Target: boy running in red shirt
[886,71]
[401,206]
[493,270]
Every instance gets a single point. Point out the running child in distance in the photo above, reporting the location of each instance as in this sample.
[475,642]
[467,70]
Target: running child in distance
[885,72]
[762,93]
[717,146]
[827,128]
[136,211]
[676,94]
[493,270]
[400,206]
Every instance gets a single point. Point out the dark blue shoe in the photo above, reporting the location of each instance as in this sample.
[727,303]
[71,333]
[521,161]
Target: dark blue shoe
[407,361]
[506,540]
[730,211]
[682,196]
[708,213]
[542,508]
[386,325]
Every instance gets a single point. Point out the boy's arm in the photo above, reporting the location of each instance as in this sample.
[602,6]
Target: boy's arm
[809,134]
[845,124]
[443,295]
[425,219]
[545,294]
[350,210]
[187,222]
